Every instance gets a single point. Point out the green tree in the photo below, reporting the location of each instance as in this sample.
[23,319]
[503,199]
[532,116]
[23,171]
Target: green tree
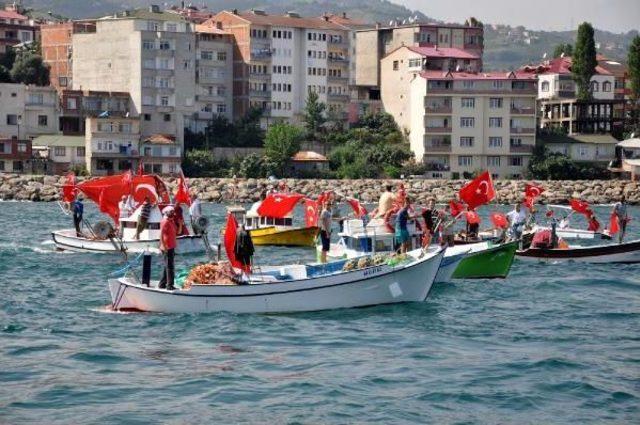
[314,116]
[584,61]
[5,75]
[563,49]
[29,68]
[281,143]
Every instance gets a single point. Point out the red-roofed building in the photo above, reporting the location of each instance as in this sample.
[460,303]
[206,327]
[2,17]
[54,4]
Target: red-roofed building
[161,154]
[15,28]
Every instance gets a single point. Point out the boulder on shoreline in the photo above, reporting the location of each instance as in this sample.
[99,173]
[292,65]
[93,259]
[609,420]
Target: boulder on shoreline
[228,190]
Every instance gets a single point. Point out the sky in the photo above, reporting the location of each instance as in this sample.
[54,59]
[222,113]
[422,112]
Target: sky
[557,15]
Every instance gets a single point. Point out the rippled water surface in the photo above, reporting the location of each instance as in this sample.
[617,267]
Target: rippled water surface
[550,344]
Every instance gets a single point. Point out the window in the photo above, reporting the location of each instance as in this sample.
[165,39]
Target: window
[466,142]
[165,45]
[206,55]
[222,56]
[148,82]
[465,161]
[173,151]
[148,45]
[415,63]
[149,64]
[515,161]
[595,86]
[606,86]
[164,64]
[493,161]
[583,151]
[164,100]
[497,84]
[221,108]
[2,166]
[172,27]
[468,102]
[396,65]
[467,122]
[18,166]
[167,117]
[495,102]
[42,120]
[515,141]
[62,81]
[495,122]
[72,103]
[467,84]
[495,142]
[59,151]
[147,100]
[80,151]
[36,98]
[5,148]
[545,86]
[147,117]
[153,26]
[22,147]
[12,119]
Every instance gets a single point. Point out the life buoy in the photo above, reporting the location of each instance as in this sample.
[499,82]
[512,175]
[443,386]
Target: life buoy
[387,219]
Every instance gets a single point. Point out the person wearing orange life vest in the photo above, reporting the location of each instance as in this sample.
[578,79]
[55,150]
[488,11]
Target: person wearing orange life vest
[168,234]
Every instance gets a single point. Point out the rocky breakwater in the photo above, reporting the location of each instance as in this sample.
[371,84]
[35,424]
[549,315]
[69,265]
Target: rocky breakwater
[47,188]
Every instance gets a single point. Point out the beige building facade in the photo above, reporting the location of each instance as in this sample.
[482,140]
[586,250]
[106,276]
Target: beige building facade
[27,111]
[112,145]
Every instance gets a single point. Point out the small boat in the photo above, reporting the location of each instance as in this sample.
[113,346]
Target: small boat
[480,260]
[101,237]
[626,253]
[291,288]
[277,228]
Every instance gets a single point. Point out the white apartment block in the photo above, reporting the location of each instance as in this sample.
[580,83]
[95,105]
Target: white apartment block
[152,55]
[280,59]
[463,122]
[112,145]
[27,111]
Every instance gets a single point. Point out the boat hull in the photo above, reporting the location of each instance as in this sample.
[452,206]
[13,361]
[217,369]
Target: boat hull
[491,263]
[372,286]
[303,236]
[68,241]
[626,253]
[448,267]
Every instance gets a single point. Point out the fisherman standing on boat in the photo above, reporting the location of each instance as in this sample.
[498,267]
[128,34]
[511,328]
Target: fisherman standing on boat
[428,215]
[517,219]
[243,248]
[403,238]
[78,211]
[325,230]
[386,201]
[620,211]
[168,248]
[195,211]
[143,218]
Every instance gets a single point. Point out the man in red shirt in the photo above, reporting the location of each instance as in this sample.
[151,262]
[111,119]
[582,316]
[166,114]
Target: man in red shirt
[168,247]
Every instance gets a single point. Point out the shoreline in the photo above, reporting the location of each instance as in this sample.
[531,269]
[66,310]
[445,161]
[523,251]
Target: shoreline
[37,188]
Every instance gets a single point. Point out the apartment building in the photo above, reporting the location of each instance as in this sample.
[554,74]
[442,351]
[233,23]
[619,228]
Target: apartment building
[559,108]
[214,75]
[398,68]
[59,152]
[57,50]
[111,144]
[27,111]
[373,44]
[151,55]
[15,156]
[161,154]
[278,59]
[462,122]
[15,28]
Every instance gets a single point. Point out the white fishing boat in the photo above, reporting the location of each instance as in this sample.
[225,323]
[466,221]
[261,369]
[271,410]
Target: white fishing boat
[102,238]
[292,288]
[565,230]
[625,253]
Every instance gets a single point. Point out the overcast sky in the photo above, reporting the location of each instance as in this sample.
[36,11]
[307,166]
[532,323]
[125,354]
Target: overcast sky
[612,15]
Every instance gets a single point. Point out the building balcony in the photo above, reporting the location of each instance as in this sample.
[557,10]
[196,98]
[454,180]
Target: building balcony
[440,90]
[522,130]
[164,109]
[265,94]
[210,97]
[338,60]
[134,153]
[566,94]
[436,130]
[517,110]
[436,166]
[527,90]
[437,147]
[338,97]
[336,79]
[438,109]
[259,76]
[521,149]
[261,56]
[204,79]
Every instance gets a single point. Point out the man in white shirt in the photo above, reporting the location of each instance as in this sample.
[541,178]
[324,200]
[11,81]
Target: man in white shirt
[195,212]
[517,219]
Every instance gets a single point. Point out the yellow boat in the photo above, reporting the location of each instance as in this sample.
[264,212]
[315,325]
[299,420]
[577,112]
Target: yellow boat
[296,236]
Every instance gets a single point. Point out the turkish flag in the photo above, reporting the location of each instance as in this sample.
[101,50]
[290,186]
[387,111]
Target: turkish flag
[456,207]
[528,202]
[358,209]
[614,225]
[323,197]
[230,234]
[499,220]
[278,205]
[311,212]
[182,194]
[479,191]
[472,217]
[532,191]
[69,189]
[580,207]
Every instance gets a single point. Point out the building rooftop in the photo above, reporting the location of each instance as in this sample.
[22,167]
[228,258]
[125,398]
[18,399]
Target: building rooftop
[504,75]
[630,143]
[210,27]
[291,20]
[309,156]
[556,138]
[160,139]
[345,21]
[444,52]
[560,66]
[151,13]
[59,140]
[10,14]
[393,25]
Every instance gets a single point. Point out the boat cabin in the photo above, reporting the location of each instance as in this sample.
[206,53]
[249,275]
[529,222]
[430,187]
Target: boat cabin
[359,239]
[252,220]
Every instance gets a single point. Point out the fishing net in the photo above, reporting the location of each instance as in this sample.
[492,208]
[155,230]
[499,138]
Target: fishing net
[211,274]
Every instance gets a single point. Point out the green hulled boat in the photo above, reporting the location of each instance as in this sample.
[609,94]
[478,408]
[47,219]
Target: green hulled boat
[486,260]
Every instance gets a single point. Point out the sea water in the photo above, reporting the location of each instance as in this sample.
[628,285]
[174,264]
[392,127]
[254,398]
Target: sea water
[549,344]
